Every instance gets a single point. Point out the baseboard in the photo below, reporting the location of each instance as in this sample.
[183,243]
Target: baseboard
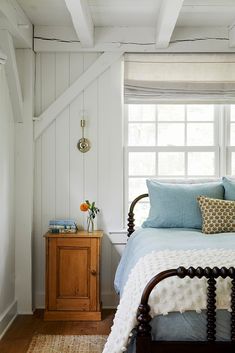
[109,300]
[7,317]
[22,312]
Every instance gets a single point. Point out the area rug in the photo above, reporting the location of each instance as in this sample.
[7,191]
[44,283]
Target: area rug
[67,344]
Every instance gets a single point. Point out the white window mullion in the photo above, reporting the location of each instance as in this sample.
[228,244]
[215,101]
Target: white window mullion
[156,132]
[229,160]
[227,142]
[195,158]
[186,163]
[126,164]
[221,136]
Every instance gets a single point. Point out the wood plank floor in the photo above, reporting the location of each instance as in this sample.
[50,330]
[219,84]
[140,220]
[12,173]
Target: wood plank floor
[19,335]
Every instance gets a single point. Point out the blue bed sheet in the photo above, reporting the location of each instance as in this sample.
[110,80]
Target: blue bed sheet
[175,326]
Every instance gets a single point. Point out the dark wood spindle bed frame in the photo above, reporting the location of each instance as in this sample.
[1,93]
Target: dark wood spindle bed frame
[144,342]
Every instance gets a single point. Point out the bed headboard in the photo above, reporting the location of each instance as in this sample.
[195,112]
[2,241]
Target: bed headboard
[131,219]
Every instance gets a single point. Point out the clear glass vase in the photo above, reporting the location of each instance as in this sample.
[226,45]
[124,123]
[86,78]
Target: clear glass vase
[90,224]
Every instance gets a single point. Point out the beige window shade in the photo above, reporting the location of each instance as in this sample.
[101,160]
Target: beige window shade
[178,77]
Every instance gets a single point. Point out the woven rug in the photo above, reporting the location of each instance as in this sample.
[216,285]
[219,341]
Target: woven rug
[67,344]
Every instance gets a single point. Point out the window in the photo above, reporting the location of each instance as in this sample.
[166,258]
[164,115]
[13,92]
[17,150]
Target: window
[171,141]
[231,148]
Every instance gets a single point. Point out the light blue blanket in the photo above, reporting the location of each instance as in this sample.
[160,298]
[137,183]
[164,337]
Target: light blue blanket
[144,240]
[175,326]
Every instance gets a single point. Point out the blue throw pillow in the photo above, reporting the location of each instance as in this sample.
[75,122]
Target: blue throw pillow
[176,206]
[229,188]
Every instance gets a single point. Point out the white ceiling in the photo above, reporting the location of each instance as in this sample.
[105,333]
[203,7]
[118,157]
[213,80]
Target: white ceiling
[46,12]
[207,13]
[131,12]
[124,12]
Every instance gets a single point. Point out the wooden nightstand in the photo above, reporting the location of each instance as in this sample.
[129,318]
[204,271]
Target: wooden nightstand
[72,276]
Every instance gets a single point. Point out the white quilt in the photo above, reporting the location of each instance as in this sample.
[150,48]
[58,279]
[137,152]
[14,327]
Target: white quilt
[172,294]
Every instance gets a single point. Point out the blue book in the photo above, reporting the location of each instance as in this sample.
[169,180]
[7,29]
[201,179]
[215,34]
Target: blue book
[62,222]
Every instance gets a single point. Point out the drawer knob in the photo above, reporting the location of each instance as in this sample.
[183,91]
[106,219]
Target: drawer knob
[93,272]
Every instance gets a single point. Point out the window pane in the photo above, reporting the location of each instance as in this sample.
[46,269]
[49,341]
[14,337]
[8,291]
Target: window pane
[170,134]
[170,112]
[232,112]
[142,163]
[139,112]
[233,163]
[200,134]
[198,112]
[201,163]
[137,186]
[170,163]
[141,212]
[141,134]
[232,134]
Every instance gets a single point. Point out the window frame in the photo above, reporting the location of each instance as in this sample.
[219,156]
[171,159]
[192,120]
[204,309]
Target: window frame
[230,148]
[222,149]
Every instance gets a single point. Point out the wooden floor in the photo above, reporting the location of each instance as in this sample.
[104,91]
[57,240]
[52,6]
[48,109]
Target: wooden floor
[19,335]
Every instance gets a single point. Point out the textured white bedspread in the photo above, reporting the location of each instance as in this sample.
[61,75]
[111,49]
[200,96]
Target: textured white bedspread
[172,294]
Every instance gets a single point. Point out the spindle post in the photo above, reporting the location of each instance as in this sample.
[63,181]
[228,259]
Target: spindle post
[233,311]
[211,309]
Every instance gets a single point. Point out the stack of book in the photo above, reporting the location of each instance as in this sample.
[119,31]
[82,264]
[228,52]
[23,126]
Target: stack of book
[62,226]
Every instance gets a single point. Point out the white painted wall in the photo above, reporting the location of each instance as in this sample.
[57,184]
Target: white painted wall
[7,236]
[64,177]
[24,172]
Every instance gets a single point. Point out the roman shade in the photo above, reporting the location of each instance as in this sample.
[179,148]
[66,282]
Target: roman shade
[180,78]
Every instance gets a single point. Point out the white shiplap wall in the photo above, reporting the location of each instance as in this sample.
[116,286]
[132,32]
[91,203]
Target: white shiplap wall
[8,305]
[64,177]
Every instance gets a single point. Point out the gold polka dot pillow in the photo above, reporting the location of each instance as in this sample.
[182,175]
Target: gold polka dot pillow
[218,216]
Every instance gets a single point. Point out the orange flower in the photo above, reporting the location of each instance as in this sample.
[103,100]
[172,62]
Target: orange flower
[84,207]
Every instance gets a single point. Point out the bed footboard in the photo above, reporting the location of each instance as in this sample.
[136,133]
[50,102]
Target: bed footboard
[144,343]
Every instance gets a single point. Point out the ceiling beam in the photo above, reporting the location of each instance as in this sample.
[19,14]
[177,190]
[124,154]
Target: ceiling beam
[82,21]
[12,75]
[95,70]
[13,19]
[133,39]
[166,21]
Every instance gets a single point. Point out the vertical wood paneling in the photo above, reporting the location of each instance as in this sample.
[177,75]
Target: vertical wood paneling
[48,176]
[64,177]
[38,78]
[115,133]
[103,177]
[7,197]
[76,158]
[38,243]
[24,174]
[48,93]
[48,149]
[110,162]
[91,132]
[104,148]
[62,140]
[48,187]
[47,79]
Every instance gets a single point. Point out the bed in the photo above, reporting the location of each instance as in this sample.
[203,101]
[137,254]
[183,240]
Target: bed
[205,331]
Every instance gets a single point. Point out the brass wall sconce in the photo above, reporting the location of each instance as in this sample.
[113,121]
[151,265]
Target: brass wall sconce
[83,144]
